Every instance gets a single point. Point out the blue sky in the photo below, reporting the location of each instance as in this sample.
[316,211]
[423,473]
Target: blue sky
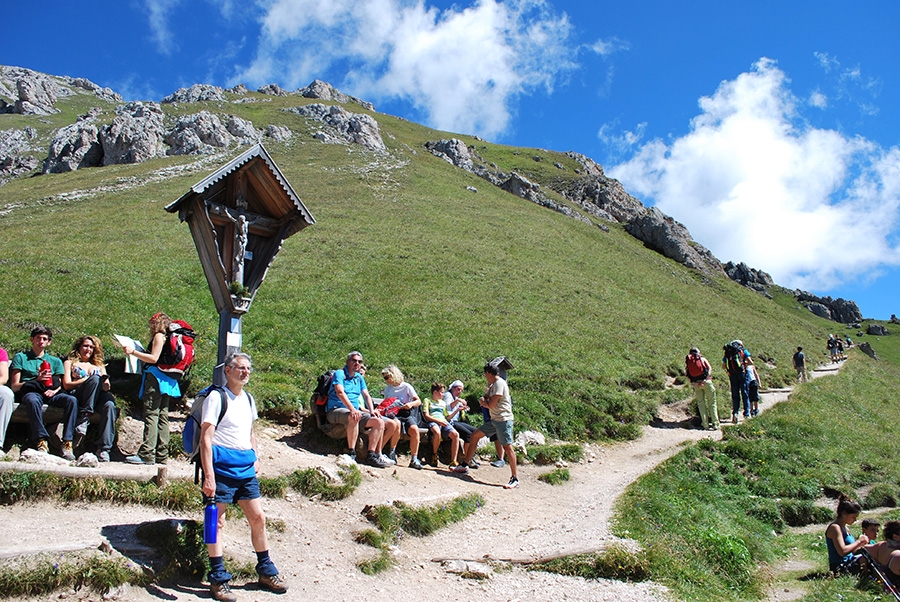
[771,129]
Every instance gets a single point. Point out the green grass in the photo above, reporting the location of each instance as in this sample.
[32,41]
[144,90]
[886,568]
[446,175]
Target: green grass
[555,477]
[710,516]
[97,572]
[392,522]
[403,264]
[615,562]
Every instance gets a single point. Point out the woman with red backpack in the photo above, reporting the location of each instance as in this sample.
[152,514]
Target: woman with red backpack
[158,389]
[700,374]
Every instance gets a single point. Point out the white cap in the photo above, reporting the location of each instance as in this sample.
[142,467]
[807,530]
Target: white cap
[457,383]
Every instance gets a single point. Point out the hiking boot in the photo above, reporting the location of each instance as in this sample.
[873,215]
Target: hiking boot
[434,461]
[222,592]
[513,483]
[375,460]
[415,463]
[387,460]
[273,583]
[498,463]
[42,446]
[734,419]
[453,464]
[461,469]
[67,451]
[351,453]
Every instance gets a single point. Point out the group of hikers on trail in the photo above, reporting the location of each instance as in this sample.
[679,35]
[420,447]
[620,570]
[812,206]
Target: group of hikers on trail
[743,378]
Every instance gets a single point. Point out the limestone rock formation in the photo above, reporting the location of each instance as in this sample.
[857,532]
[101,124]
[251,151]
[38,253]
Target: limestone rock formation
[877,330]
[242,129]
[73,147]
[664,235]
[278,133]
[238,89]
[750,277]
[839,310]
[196,134]
[196,93]
[867,349]
[603,198]
[15,166]
[351,127]
[135,135]
[104,93]
[325,91]
[453,151]
[272,90]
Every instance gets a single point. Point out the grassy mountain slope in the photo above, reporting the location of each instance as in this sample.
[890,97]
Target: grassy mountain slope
[404,264]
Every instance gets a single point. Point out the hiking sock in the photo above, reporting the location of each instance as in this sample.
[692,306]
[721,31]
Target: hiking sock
[264,565]
[217,572]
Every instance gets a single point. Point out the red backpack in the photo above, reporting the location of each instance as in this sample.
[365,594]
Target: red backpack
[177,353]
[695,368]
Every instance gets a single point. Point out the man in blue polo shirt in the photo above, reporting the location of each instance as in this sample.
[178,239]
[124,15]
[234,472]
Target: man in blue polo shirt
[348,386]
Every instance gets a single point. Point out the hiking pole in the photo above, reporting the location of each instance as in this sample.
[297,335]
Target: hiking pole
[885,582]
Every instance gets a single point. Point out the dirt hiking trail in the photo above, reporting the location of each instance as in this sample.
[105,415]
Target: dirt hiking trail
[316,551]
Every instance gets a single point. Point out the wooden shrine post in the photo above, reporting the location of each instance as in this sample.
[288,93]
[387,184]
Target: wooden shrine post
[239,217]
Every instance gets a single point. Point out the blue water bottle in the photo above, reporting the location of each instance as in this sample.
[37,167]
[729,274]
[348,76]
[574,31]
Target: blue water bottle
[210,520]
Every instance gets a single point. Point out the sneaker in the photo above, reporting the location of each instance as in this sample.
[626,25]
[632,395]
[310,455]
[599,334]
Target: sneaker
[273,583]
[222,592]
[392,456]
[67,451]
[473,463]
[734,419]
[415,463]
[387,460]
[82,426]
[434,461]
[136,459]
[42,446]
[513,483]
[453,464]
[103,456]
[498,463]
[375,460]
[461,469]
[351,453]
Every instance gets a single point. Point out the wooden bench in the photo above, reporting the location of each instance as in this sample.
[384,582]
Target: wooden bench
[52,415]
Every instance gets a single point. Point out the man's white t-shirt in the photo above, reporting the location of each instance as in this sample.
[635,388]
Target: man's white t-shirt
[234,432]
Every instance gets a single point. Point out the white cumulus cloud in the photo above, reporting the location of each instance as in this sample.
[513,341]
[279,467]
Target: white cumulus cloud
[755,183]
[462,68]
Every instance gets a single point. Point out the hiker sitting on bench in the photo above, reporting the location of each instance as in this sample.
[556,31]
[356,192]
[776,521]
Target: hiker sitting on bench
[37,385]
[85,378]
[348,388]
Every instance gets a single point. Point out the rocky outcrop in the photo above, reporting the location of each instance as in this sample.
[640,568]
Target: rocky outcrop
[100,92]
[524,188]
[196,134]
[74,147]
[196,93]
[278,133]
[664,235]
[345,126]
[135,135]
[453,151]
[867,349]
[877,330]
[238,89]
[750,277]
[17,141]
[272,90]
[603,198]
[243,130]
[15,166]
[588,166]
[324,91]
[839,310]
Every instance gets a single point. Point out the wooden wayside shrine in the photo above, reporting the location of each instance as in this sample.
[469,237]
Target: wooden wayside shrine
[240,216]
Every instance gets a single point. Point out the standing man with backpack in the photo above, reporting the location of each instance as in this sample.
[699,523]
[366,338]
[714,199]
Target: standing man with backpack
[800,365]
[230,463]
[734,363]
[700,374]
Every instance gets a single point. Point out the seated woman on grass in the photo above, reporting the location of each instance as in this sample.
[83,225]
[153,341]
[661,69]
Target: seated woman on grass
[435,412]
[843,549]
[85,377]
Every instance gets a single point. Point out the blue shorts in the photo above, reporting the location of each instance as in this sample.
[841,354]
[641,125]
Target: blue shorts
[229,491]
[445,430]
[502,428]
